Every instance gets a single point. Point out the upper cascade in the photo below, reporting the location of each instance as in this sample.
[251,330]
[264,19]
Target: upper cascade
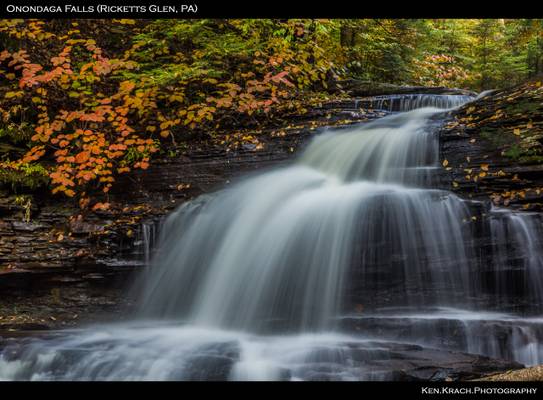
[408,102]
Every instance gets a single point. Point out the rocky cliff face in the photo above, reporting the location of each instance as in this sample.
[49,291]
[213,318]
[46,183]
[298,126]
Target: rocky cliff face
[76,266]
[492,148]
[491,153]
[63,266]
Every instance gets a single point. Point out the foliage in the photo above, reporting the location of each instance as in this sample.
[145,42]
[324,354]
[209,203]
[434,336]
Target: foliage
[439,70]
[476,54]
[82,101]
[25,202]
[97,112]
[380,50]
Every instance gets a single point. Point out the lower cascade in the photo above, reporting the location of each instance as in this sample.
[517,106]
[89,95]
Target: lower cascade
[348,264]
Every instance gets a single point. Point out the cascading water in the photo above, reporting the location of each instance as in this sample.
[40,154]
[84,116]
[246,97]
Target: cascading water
[324,269]
[406,102]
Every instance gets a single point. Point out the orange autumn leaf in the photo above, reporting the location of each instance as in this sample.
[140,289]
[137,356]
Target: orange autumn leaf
[101,206]
[82,157]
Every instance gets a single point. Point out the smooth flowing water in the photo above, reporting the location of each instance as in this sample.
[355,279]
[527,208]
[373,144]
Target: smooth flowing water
[328,268]
[413,101]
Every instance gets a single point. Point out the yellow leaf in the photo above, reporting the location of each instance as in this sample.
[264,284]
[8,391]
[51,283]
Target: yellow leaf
[516,131]
[484,167]
[9,95]
[455,184]
[445,162]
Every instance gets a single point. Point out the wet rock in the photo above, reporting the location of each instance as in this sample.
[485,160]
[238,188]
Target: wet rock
[494,150]
[57,246]
[78,226]
[156,191]
[427,364]
[521,375]
[360,88]
[209,368]
[497,335]
[31,326]
[27,226]
[378,360]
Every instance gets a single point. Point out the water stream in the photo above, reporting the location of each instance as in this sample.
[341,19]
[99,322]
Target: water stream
[333,267]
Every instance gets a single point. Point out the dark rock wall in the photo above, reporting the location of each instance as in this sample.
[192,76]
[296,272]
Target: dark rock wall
[61,248]
[61,255]
[494,148]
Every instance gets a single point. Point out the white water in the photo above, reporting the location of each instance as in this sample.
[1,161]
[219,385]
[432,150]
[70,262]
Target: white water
[276,248]
[157,351]
[495,334]
[250,282]
[408,102]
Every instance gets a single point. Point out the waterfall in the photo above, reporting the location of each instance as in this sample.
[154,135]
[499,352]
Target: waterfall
[485,93]
[148,235]
[275,248]
[407,102]
[518,243]
[321,269]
